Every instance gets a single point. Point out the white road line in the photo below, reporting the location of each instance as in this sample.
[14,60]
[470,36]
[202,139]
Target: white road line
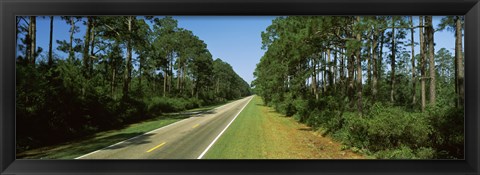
[216,138]
[139,135]
[171,124]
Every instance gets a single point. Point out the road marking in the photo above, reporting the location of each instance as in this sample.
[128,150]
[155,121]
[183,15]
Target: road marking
[171,124]
[158,146]
[216,138]
[195,126]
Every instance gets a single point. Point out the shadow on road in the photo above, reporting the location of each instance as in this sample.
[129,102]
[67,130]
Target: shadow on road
[143,139]
[82,147]
[201,113]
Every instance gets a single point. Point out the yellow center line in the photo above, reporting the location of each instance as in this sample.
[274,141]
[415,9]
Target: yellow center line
[158,146]
[195,126]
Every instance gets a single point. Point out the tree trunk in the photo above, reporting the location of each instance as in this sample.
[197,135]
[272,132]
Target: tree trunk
[179,73]
[359,72]
[375,66]
[183,78]
[431,53]
[414,81]
[422,63]
[17,31]
[335,58]
[92,53]
[165,82]
[342,71]
[314,79]
[140,70]
[170,76]
[392,65]
[50,52]
[128,65]
[459,60]
[369,63]
[114,72]
[329,72]
[72,30]
[324,73]
[86,56]
[33,38]
[28,42]
[351,89]
[380,55]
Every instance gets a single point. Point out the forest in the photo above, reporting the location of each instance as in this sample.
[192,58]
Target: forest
[124,69]
[360,80]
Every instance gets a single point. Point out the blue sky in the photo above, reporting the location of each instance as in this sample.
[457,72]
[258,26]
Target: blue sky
[234,39]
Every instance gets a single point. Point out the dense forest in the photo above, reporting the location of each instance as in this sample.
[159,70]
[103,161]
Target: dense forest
[360,80]
[123,70]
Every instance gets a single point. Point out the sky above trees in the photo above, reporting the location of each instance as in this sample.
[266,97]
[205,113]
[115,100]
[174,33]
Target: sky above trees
[234,39]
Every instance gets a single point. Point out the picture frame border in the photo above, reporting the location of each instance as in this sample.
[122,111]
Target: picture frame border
[11,8]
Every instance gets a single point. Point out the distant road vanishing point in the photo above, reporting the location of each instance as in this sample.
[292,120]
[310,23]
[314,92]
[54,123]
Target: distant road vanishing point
[186,139]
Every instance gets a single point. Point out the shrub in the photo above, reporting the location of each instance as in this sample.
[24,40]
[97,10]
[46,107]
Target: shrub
[159,105]
[399,153]
[448,137]
[392,127]
[405,152]
[302,110]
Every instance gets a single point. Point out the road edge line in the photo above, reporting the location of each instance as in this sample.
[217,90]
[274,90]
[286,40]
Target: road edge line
[93,152]
[79,157]
[218,136]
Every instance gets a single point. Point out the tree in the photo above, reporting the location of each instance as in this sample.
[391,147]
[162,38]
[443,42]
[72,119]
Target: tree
[123,30]
[422,61]
[375,41]
[50,52]
[128,74]
[392,63]
[166,29]
[72,20]
[412,44]
[359,68]
[445,62]
[144,48]
[459,60]
[455,24]
[32,33]
[87,42]
[431,54]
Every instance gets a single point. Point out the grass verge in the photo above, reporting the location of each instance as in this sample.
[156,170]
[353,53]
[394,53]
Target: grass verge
[261,133]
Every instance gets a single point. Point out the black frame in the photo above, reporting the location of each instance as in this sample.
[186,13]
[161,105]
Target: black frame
[10,8]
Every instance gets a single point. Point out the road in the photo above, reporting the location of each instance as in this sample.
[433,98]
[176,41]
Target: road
[189,138]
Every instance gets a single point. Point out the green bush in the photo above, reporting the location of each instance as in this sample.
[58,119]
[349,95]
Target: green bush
[405,152]
[388,132]
[448,137]
[390,127]
[159,105]
[399,153]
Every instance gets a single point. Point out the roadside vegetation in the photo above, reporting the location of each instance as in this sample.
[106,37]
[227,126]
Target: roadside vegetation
[261,133]
[361,81]
[123,70]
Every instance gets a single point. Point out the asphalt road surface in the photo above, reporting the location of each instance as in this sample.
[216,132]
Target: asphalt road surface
[189,138]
